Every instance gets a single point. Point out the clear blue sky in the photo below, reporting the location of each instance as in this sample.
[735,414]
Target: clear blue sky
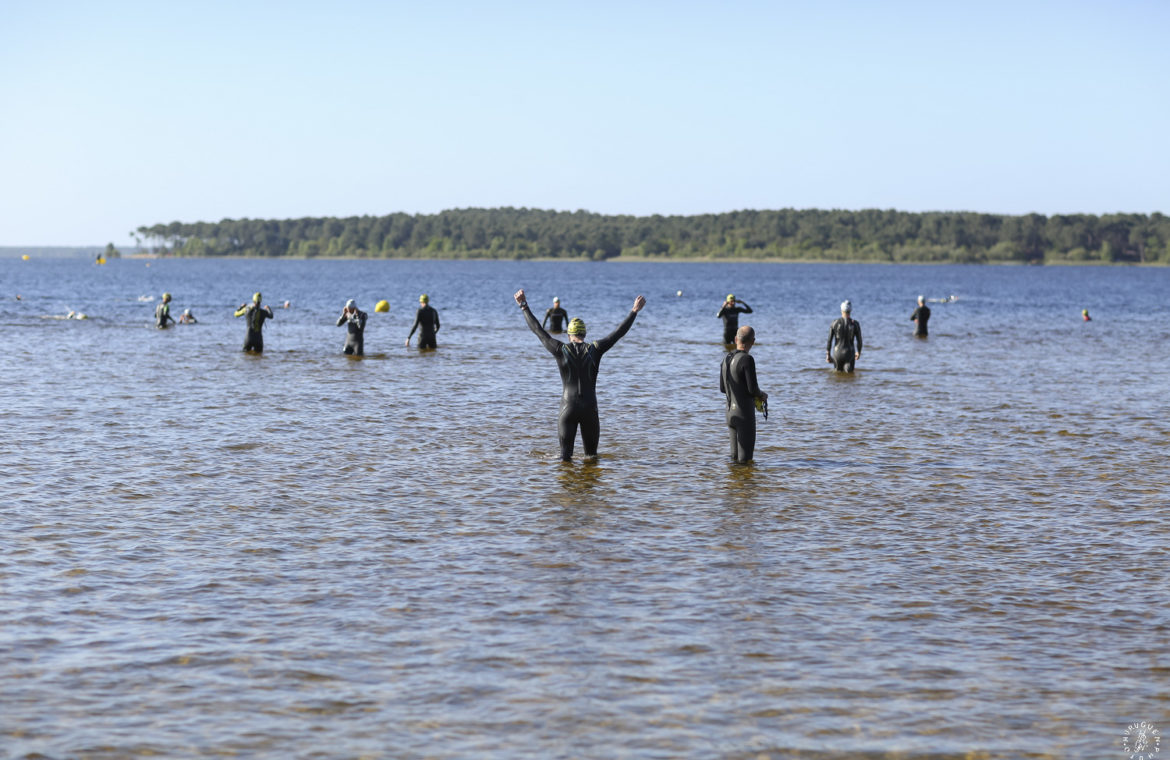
[119,114]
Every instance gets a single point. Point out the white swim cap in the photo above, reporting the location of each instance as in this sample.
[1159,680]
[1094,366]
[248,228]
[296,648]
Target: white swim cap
[350,303]
[846,307]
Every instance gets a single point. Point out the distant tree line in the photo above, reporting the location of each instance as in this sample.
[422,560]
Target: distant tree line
[786,234]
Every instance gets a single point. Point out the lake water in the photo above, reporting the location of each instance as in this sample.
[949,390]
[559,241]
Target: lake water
[959,551]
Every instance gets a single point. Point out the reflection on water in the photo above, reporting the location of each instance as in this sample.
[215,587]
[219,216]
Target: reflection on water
[957,551]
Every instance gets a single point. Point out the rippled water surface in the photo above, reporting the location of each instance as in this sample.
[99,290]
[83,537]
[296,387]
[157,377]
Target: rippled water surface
[958,551]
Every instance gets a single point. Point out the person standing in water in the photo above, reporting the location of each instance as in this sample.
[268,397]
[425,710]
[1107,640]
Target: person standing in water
[729,313]
[557,315]
[187,318]
[845,332]
[254,315]
[355,323]
[578,362]
[920,318]
[427,319]
[737,380]
[162,313]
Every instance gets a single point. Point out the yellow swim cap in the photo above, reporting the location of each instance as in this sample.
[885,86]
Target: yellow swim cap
[166,296]
[424,298]
[577,326]
[730,297]
[255,298]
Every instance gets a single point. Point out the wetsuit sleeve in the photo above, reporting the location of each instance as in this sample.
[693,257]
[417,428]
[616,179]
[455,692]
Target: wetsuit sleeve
[749,376]
[362,317]
[829,344]
[241,311]
[722,369]
[607,342]
[745,310]
[722,311]
[552,344]
[544,321]
[268,311]
[436,312]
[341,319]
[857,333]
[415,325]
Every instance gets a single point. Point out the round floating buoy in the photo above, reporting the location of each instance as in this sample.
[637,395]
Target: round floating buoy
[24,257]
[382,306]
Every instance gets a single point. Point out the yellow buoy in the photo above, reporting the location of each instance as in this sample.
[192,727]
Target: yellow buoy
[24,257]
[382,306]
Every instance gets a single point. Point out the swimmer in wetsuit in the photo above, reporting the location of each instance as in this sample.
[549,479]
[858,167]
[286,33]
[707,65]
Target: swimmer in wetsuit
[187,318]
[427,319]
[162,312]
[729,313]
[844,332]
[355,333]
[254,315]
[557,315]
[737,380]
[920,318]
[578,362]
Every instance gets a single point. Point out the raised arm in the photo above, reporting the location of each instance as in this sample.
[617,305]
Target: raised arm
[242,310]
[552,344]
[607,342]
[746,309]
[341,320]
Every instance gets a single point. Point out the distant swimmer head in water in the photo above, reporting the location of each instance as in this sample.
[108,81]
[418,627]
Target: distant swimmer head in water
[576,328]
[424,299]
[1085,315]
[846,307]
[256,298]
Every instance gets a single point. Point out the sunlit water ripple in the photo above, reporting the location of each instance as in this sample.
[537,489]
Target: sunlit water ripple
[959,551]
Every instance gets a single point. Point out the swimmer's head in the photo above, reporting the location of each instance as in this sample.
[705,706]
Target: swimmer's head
[730,297]
[256,298]
[745,336]
[350,304]
[576,326]
[186,312]
[921,300]
[556,300]
[846,307]
[424,298]
[1084,312]
[166,297]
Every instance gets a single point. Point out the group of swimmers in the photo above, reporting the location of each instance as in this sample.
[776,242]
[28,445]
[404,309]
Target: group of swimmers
[256,313]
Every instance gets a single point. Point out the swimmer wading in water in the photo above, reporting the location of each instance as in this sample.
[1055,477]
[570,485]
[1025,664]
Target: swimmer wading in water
[254,315]
[578,362]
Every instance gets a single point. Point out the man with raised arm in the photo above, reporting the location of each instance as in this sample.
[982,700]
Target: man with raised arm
[578,362]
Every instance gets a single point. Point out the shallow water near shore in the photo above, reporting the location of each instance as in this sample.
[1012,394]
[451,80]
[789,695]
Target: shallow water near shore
[958,551]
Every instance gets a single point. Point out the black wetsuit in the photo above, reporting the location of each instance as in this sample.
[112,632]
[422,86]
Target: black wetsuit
[162,313]
[578,363]
[730,317]
[737,379]
[254,315]
[921,316]
[355,336]
[845,332]
[557,315]
[428,319]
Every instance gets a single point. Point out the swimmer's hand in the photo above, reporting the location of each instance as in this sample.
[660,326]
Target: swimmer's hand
[407,343]
[639,302]
[857,356]
[828,358]
[520,299]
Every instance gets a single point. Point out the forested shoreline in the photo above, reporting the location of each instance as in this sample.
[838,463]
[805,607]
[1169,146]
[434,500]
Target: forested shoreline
[788,234]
